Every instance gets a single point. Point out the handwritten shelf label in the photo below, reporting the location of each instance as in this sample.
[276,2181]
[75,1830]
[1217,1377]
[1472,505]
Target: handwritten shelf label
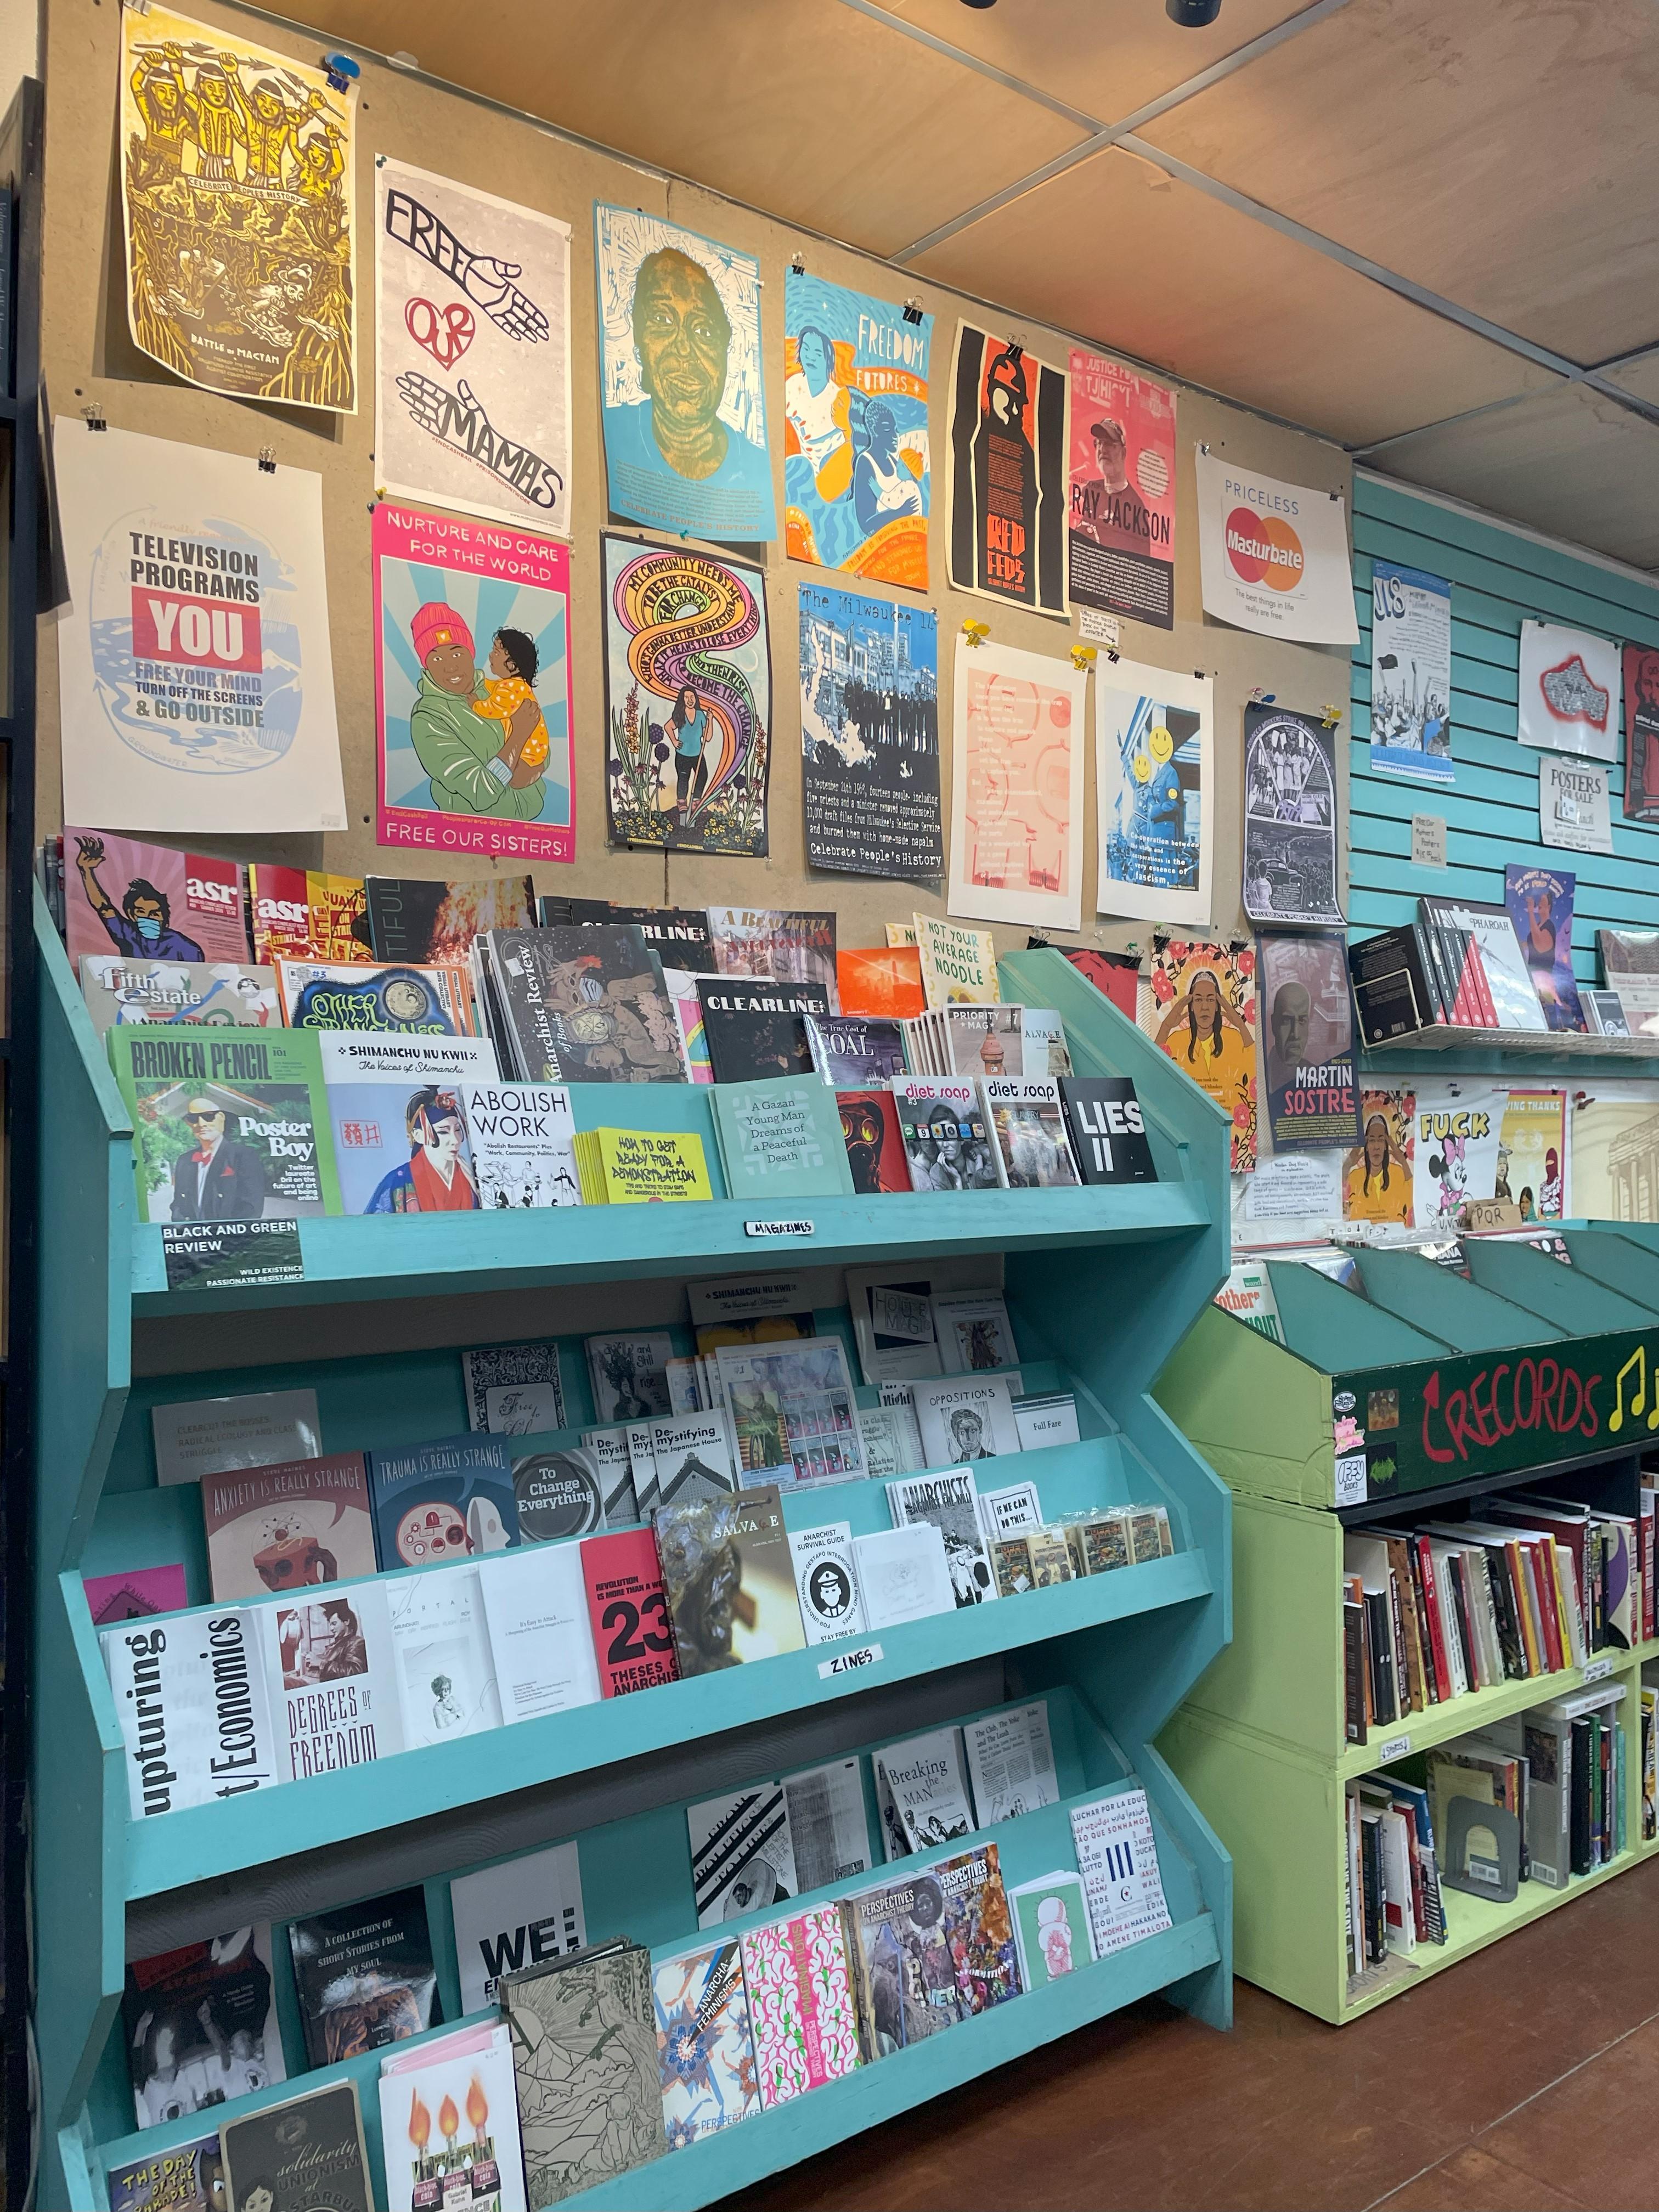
[780,1228]
[1597,1670]
[1394,1746]
[849,1662]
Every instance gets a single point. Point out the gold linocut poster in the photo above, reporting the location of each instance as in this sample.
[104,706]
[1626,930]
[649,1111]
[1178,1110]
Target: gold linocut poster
[236,188]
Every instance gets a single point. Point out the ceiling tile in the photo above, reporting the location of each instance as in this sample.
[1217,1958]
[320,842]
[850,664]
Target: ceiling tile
[1569,462]
[1105,57]
[1639,377]
[1114,248]
[1498,152]
[816,113]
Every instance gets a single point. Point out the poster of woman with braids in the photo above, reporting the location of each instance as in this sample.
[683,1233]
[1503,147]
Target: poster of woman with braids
[688,676]
[236,188]
[1203,1016]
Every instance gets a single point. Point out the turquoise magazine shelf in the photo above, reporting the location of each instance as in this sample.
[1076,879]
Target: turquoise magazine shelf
[1101,1285]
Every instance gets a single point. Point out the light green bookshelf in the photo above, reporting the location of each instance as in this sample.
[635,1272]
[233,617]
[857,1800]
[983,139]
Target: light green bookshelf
[1260,1741]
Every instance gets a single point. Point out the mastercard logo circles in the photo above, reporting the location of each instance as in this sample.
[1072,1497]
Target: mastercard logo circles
[1263,548]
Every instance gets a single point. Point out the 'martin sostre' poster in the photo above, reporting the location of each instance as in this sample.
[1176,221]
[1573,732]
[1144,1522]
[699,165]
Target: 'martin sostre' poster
[1121,520]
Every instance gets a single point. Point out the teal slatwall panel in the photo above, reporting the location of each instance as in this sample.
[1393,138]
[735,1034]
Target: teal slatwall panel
[1491,813]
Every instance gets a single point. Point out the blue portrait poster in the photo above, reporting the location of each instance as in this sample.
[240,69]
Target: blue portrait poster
[857,483]
[681,379]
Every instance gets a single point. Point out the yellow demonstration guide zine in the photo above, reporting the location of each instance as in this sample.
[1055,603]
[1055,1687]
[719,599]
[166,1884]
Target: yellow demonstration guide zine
[636,1166]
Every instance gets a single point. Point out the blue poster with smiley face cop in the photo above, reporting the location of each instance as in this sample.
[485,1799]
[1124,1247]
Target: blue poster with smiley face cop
[681,379]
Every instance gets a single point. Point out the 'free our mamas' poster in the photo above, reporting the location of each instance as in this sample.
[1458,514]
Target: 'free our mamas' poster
[237,191]
[473,704]
[1120,527]
[681,379]
[856,474]
[869,735]
[472,319]
[1007,538]
[196,643]
[1016,788]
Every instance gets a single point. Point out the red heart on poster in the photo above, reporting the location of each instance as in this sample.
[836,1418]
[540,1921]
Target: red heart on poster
[445,333]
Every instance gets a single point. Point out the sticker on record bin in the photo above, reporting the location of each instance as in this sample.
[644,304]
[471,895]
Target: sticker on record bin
[849,1662]
[1350,1487]
[225,1255]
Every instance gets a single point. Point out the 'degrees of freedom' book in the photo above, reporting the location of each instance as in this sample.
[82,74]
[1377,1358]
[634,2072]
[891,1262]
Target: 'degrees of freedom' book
[1108,1130]
[640,1166]
[800,2003]
[187,995]
[514,1390]
[189,2177]
[1029,1126]
[411,919]
[294,2156]
[439,1502]
[481,2165]
[584,2055]
[194,1436]
[440,1644]
[201,2026]
[149,902]
[521,1913]
[730,1580]
[191,1698]
[706,2051]
[964,1417]
[523,1137]
[852,1053]
[232,1124]
[288,1527]
[364,1975]
[873,1141]
[628,1611]
[958,965]
[781,1141]
[947,1142]
[582,1005]
[756,1029]
[333,1681]
[353,995]
[304,915]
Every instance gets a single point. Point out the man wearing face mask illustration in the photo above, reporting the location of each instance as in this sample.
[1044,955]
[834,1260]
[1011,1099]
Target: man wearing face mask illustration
[142,925]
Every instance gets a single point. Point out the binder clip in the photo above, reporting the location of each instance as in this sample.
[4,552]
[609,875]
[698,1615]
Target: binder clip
[1113,655]
[1084,656]
[913,311]
[975,632]
[1204,447]
[796,262]
[341,71]
[267,460]
[137,7]
[94,418]
[1329,716]
[1016,350]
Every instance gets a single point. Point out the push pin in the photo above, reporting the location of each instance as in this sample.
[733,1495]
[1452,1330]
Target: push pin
[1084,656]
[975,632]
[1329,716]
[341,71]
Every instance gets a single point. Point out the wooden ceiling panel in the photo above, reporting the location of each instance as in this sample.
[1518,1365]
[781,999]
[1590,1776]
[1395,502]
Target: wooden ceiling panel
[814,111]
[1115,247]
[1105,57]
[1499,152]
[1568,462]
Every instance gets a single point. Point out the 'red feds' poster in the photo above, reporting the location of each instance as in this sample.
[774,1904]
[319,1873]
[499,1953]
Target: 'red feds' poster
[1007,538]
[1120,517]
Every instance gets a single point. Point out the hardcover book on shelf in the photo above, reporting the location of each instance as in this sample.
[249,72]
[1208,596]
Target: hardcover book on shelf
[358,994]
[150,903]
[965,1418]
[233,1123]
[794,1415]
[922,1793]
[628,1373]
[947,1141]
[288,1527]
[771,943]
[781,1141]
[439,1502]
[628,1611]
[194,1709]
[903,1575]
[333,1677]
[469,2085]
[1515,1000]
[364,1975]
[855,1053]
[949,1501]
[307,915]
[1108,1130]
[756,1029]
[705,2049]
[185,993]
[139,1595]
[1011,1763]
[581,1006]
[520,1914]
[416,920]
[294,2156]
[800,2003]
[1051,1927]
[678,934]
[958,965]
[873,1142]
[200,2025]
[559,1490]
[194,1436]
[584,2053]
[514,1389]
[892,1324]
[1029,1126]
[694,1459]
[1117,1858]
[882,982]
[445,1669]
[730,1580]
[973,1331]
[522,1137]
[826,1582]
[640,1166]
[541,1639]
[188,2178]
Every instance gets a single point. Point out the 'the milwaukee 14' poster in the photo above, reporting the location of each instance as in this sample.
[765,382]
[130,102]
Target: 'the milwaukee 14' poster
[1121,520]
[196,644]
[1273,557]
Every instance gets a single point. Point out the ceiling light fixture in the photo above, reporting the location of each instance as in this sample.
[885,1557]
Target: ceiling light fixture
[979,3]
[1192,14]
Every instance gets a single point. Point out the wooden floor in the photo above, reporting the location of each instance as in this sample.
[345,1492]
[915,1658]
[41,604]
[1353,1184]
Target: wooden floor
[1524,2080]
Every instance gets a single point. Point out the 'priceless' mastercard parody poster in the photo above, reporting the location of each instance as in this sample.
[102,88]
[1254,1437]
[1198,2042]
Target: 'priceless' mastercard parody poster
[1273,556]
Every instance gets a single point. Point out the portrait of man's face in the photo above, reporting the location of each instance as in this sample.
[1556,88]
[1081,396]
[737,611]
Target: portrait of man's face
[968,1429]
[204,1121]
[682,337]
[1293,1017]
